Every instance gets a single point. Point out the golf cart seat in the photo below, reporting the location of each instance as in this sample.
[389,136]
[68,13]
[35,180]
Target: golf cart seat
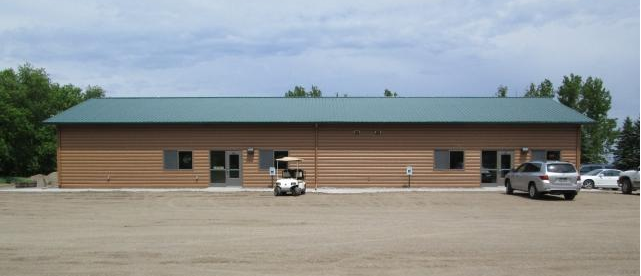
[290,173]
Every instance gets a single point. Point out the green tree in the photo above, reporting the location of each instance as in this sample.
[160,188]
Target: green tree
[299,92]
[544,90]
[570,90]
[531,91]
[598,138]
[389,93]
[27,97]
[93,91]
[315,92]
[593,100]
[626,155]
[501,91]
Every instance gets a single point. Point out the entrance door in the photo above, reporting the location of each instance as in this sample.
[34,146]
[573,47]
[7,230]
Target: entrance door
[225,168]
[505,165]
[494,166]
[233,168]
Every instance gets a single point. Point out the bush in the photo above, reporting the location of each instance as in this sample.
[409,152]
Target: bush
[18,181]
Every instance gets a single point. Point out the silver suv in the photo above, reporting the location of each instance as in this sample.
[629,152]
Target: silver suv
[552,177]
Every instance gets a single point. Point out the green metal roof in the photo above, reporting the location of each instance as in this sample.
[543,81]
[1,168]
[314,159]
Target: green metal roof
[318,110]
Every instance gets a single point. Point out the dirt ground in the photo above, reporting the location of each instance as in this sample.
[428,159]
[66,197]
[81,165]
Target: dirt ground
[254,233]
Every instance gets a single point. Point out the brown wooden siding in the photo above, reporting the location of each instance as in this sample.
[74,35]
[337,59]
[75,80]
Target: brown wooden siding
[379,160]
[131,156]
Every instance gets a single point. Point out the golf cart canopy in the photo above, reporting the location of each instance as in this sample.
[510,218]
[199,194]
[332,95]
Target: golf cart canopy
[288,159]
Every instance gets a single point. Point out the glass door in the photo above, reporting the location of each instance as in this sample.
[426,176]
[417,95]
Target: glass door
[225,168]
[494,166]
[506,163]
[489,168]
[217,168]
[233,168]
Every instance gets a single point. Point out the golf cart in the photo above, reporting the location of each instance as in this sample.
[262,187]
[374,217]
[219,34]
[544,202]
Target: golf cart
[291,180]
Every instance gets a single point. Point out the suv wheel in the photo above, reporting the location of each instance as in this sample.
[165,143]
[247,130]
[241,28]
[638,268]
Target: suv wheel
[626,187]
[588,184]
[569,196]
[532,192]
[508,187]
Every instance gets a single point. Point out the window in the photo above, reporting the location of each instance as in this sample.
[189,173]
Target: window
[561,168]
[594,172]
[528,167]
[448,160]
[184,160]
[611,173]
[177,160]
[546,155]
[268,158]
[488,159]
[586,169]
[280,154]
[554,155]
[538,155]
[531,167]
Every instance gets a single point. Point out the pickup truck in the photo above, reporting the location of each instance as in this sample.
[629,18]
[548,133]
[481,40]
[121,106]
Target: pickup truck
[629,181]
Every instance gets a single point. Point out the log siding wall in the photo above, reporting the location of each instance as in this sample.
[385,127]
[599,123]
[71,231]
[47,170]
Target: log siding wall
[131,156]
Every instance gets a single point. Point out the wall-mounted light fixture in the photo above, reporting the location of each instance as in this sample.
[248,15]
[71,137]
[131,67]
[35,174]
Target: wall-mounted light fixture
[250,150]
[524,149]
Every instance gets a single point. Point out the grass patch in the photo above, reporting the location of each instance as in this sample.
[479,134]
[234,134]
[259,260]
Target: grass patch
[14,179]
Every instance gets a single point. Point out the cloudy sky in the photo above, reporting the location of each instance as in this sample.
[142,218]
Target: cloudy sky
[264,48]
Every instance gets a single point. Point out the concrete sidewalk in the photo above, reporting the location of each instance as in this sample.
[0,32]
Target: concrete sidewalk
[322,190]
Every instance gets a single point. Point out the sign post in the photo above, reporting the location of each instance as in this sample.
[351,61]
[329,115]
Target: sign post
[272,173]
[409,171]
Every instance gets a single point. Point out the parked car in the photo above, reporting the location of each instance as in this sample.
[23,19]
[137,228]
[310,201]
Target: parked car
[601,178]
[586,168]
[551,177]
[629,181]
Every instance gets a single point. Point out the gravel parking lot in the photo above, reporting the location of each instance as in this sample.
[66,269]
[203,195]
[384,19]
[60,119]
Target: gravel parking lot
[254,233]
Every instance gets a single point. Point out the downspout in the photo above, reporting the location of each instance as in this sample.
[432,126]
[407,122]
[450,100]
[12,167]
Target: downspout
[58,129]
[578,147]
[316,156]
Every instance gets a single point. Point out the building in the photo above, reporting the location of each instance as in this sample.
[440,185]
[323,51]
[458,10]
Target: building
[346,142]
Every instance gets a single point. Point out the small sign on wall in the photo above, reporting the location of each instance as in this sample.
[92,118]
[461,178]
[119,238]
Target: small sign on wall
[409,170]
[272,171]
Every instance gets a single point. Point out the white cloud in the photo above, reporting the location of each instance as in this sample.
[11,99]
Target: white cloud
[426,48]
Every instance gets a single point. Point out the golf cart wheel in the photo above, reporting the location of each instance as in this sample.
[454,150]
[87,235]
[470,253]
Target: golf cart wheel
[277,191]
[508,187]
[532,192]
[569,196]
[296,191]
[588,184]
[626,187]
